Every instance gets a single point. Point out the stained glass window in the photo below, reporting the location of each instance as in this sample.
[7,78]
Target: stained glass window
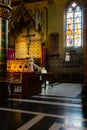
[73,26]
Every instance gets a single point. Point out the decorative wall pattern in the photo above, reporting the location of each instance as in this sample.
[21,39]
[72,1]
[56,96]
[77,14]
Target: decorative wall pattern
[28,46]
[21,50]
[57,65]
[35,50]
[18,65]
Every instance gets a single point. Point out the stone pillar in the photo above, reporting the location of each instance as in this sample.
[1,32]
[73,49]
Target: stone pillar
[5,10]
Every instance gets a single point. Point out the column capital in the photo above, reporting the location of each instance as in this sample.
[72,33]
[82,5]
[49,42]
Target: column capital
[5,10]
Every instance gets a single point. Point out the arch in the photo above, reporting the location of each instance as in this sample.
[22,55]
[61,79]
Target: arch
[73,25]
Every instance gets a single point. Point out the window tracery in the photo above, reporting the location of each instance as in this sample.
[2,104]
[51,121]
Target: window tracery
[73,26]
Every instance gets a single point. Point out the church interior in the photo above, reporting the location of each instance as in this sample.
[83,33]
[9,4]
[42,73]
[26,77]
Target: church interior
[43,67]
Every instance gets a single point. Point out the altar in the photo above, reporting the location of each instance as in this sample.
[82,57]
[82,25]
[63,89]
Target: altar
[22,76]
[28,84]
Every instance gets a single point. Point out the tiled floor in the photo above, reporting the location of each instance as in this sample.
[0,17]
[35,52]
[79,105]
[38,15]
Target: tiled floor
[44,112]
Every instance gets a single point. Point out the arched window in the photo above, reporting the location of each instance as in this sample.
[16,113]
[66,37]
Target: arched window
[73,26]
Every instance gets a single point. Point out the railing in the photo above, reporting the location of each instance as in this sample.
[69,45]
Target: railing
[37,67]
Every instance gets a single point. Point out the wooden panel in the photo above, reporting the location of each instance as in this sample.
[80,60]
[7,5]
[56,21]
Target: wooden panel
[31,85]
[54,44]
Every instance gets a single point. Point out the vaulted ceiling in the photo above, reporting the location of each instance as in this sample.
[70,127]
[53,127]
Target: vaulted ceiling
[21,13]
[15,2]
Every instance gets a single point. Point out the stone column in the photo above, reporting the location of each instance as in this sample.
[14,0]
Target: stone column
[5,10]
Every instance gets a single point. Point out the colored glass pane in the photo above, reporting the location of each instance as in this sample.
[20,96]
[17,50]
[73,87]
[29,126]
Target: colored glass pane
[78,8]
[70,26]
[77,14]
[70,31]
[78,20]
[77,41]
[69,15]
[69,10]
[73,26]
[69,20]
[69,41]
[77,32]
[74,4]
[77,26]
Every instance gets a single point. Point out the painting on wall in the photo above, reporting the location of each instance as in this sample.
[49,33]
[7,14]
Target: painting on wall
[54,43]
